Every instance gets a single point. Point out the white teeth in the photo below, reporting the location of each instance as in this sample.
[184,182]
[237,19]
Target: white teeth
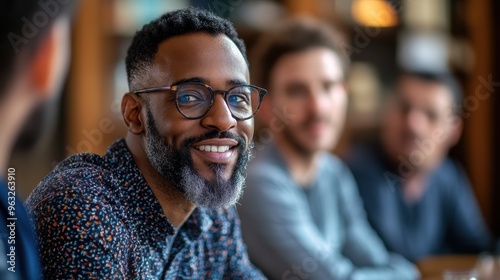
[221,149]
[213,148]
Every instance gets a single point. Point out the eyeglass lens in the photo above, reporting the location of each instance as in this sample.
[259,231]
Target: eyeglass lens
[194,100]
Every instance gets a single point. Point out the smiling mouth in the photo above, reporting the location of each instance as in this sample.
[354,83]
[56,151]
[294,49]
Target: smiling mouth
[213,148]
[216,150]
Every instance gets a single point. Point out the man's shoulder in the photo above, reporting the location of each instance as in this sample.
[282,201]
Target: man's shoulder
[333,162]
[451,166]
[80,170]
[363,156]
[450,174]
[333,169]
[266,165]
[82,176]
[370,168]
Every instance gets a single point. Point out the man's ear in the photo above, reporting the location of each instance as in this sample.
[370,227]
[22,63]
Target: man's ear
[455,131]
[131,112]
[46,69]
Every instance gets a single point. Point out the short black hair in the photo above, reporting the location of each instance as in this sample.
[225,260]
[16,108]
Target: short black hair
[145,42]
[443,78]
[292,36]
[23,23]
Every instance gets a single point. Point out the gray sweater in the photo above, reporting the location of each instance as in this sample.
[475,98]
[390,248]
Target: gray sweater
[317,232]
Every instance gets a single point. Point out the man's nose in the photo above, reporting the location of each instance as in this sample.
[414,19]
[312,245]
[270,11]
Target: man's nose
[416,120]
[219,116]
[320,102]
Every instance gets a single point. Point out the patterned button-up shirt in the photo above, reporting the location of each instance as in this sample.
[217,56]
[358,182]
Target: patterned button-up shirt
[97,218]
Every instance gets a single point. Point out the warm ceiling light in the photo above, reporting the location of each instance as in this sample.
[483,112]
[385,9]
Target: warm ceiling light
[377,13]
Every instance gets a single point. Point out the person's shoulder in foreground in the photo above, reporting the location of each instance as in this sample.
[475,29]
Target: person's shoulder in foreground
[19,254]
[159,204]
[301,214]
[33,47]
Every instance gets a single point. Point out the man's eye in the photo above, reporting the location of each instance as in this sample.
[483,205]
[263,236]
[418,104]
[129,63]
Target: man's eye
[187,98]
[431,115]
[404,107]
[329,86]
[237,99]
[296,92]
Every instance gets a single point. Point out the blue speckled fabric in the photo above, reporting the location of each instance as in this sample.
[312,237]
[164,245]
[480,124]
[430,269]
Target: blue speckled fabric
[97,218]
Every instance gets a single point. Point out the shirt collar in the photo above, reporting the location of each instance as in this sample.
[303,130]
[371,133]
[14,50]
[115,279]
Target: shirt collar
[198,222]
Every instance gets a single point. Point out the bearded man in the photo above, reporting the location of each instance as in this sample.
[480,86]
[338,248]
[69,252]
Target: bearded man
[157,205]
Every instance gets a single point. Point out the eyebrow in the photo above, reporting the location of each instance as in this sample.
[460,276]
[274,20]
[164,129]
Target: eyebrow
[233,82]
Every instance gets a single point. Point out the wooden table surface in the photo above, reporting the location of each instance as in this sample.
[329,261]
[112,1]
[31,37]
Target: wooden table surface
[432,268]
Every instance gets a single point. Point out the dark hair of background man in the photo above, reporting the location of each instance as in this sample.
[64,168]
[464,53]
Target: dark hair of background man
[291,37]
[442,78]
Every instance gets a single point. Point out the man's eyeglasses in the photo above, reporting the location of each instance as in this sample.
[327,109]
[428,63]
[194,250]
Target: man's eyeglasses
[194,100]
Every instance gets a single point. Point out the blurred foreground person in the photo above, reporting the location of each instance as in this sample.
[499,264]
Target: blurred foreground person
[34,50]
[302,217]
[418,200]
[159,203]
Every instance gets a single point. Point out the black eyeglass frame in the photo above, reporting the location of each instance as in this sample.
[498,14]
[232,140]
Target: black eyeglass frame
[175,89]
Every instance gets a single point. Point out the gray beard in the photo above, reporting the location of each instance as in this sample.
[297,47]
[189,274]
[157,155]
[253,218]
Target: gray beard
[176,167]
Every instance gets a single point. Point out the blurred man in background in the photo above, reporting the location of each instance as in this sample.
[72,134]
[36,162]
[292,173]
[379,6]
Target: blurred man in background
[418,200]
[302,216]
[34,51]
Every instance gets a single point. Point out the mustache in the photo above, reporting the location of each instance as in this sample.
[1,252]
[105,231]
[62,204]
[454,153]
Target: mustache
[214,134]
